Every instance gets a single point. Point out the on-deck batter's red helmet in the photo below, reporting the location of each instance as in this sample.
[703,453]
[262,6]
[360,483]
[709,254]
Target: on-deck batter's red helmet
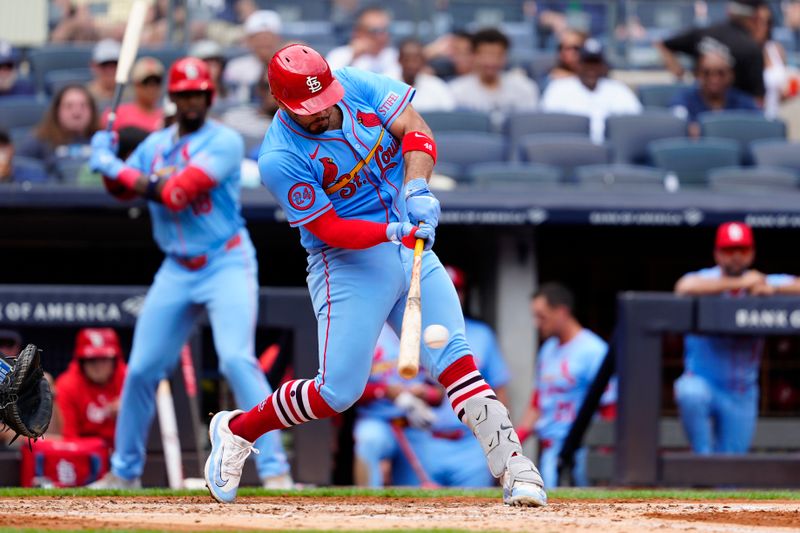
[189,74]
[457,276]
[97,343]
[302,80]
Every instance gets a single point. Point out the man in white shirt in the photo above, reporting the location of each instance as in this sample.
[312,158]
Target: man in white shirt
[263,37]
[369,47]
[433,94]
[489,88]
[591,93]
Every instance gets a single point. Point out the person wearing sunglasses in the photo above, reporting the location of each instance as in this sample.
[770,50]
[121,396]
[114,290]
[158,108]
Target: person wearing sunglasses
[570,42]
[145,111]
[370,46]
[10,82]
[714,89]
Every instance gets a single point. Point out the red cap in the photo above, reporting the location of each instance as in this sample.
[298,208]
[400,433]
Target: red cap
[302,80]
[97,343]
[457,276]
[189,74]
[734,235]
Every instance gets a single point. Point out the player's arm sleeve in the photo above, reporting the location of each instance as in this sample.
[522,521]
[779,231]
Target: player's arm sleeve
[290,181]
[387,96]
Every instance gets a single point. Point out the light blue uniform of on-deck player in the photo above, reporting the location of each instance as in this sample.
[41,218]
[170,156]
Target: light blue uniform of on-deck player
[358,171]
[720,383]
[227,286]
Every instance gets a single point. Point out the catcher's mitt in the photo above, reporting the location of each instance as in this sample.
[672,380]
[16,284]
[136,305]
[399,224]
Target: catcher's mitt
[26,401]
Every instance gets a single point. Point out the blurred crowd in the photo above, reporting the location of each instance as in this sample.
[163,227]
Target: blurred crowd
[562,64]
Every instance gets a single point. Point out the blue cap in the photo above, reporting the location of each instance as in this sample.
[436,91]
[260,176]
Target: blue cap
[592,50]
[7,52]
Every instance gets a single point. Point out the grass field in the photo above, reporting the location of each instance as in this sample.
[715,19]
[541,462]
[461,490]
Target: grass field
[401,509]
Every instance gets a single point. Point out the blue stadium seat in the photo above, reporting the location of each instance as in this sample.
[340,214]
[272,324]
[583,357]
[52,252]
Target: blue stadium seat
[777,153]
[21,111]
[468,148]
[533,174]
[752,179]
[442,121]
[57,57]
[621,176]
[527,123]
[563,151]
[659,95]
[55,80]
[628,135]
[31,165]
[691,159]
[741,126]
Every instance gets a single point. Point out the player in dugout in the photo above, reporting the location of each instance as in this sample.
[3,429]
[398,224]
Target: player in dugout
[348,159]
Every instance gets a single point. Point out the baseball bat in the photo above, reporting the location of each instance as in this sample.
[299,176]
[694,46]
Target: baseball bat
[411,456]
[168,425]
[410,331]
[127,54]
[190,380]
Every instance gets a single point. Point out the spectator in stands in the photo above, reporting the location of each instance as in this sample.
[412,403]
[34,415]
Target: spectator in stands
[76,24]
[566,367]
[63,136]
[591,93]
[776,75]
[263,38]
[252,120]
[432,94]
[10,82]
[717,394]
[713,91]
[88,392]
[450,55]
[15,173]
[489,88]
[738,34]
[370,45]
[570,43]
[555,16]
[211,52]
[144,111]
[104,68]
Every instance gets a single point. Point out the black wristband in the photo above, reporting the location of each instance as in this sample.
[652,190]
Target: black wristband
[152,183]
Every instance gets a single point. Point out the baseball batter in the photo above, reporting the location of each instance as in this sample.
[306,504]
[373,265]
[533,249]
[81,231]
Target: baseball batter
[189,172]
[348,159]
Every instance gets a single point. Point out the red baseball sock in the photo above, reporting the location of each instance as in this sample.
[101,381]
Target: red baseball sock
[293,403]
[463,381]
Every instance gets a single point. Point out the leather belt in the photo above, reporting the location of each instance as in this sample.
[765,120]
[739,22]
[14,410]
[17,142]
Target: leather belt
[199,261]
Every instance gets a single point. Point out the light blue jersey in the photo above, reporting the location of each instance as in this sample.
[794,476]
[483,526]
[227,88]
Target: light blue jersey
[357,170]
[213,217]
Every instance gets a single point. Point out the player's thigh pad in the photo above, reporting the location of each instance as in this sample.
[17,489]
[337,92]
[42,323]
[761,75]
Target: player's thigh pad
[352,292]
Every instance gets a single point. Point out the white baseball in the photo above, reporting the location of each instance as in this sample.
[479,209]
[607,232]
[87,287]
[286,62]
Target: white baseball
[435,336]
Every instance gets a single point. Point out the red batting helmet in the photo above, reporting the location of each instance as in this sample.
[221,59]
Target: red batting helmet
[302,80]
[189,74]
[97,343]
[458,277]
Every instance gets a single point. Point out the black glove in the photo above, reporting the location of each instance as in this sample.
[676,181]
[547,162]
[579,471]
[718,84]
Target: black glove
[26,401]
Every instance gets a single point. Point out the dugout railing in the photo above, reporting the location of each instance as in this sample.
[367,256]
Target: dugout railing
[49,316]
[636,354]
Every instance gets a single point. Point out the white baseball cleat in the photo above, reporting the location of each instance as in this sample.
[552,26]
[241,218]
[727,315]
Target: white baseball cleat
[225,462]
[522,483]
[279,482]
[111,481]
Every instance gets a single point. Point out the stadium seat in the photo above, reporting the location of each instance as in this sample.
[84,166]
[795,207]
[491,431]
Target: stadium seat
[441,121]
[55,80]
[744,127]
[752,178]
[628,135]
[167,54]
[468,148]
[691,159]
[659,95]
[532,174]
[21,111]
[621,175]
[563,151]
[520,124]
[57,57]
[776,153]
[30,164]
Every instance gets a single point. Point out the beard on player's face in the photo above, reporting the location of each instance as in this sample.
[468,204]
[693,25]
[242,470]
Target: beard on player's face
[191,109]
[315,124]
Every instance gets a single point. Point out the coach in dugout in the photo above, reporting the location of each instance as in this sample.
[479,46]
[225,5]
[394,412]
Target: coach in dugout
[717,394]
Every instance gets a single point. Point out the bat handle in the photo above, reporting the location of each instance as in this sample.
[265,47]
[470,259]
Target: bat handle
[112,114]
[419,245]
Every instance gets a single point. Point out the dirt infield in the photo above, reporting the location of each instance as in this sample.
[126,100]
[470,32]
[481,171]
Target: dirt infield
[369,513]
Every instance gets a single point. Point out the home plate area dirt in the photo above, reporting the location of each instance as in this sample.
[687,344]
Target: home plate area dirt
[370,513]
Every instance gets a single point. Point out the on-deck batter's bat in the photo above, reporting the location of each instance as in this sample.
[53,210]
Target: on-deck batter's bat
[410,331]
[168,424]
[127,54]
[411,456]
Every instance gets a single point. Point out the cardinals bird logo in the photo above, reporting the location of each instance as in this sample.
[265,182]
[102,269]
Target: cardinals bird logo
[330,172]
[369,120]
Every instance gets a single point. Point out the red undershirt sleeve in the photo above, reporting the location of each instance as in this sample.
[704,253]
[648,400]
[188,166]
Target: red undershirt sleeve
[351,234]
[182,188]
